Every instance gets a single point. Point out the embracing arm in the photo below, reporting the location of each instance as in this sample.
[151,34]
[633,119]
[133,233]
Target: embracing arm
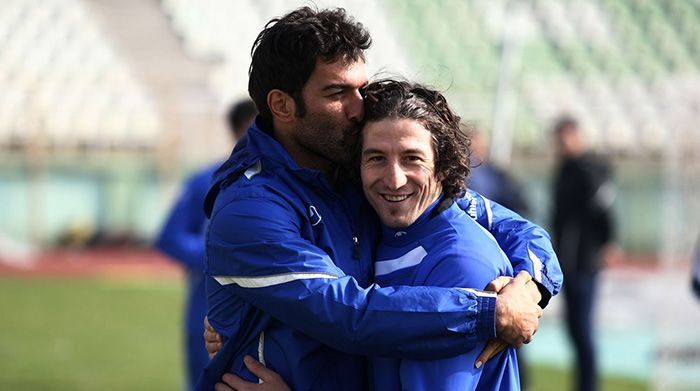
[527,245]
[256,253]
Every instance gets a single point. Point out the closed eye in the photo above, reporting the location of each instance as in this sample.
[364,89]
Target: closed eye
[374,159]
[413,158]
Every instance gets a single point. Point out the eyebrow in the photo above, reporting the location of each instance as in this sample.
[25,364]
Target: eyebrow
[370,151]
[342,86]
[336,86]
[413,152]
[406,152]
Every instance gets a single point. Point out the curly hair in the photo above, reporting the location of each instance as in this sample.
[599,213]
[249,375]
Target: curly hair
[285,52]
[397,99]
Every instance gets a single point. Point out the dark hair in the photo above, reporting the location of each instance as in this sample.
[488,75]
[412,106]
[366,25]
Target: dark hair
[563,123]
[240,115]
[285,52]
[394,99]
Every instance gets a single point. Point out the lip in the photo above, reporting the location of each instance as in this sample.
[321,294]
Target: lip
[394,197]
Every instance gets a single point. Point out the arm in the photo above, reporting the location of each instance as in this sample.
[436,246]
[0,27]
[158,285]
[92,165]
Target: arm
[182,235]
[256,253]
[527,245]
[471,265]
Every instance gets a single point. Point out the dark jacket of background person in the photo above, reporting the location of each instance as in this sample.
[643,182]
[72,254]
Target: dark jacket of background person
[696,271]
[582,235]
[490,180]
[583,219]
[497,185]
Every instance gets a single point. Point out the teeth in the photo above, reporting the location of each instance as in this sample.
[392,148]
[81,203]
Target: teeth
[395,198]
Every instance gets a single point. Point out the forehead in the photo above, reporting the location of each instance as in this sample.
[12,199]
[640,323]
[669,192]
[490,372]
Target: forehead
[342,72]
[397,135]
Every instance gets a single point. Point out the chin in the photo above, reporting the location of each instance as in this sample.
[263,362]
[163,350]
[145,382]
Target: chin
[396,223]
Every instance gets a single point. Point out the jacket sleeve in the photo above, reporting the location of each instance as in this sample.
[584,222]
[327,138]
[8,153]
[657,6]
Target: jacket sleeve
[527,245]
[255,250]
[182,235]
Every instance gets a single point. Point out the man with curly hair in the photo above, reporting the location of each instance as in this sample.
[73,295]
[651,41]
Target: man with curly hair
[413,162]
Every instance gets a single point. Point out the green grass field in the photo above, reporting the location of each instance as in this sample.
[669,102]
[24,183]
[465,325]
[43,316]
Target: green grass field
[86,334]
[118,335]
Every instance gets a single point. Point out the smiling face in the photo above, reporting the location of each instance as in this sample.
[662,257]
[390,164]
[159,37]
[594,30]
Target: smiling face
[397,166]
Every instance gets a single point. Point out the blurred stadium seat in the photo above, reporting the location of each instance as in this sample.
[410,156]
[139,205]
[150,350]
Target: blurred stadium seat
[628,69]
[64,86]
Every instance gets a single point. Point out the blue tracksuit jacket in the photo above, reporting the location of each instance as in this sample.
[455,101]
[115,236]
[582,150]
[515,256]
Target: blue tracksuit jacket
[442,248]
[290,261]
[182,239]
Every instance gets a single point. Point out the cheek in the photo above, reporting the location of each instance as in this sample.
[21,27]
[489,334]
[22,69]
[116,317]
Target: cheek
[366,177]
[425,176]
[372,179]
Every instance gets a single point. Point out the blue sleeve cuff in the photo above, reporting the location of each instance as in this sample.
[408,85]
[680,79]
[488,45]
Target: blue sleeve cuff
[486,321]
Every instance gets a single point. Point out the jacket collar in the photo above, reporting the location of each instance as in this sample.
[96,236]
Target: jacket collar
[256,145]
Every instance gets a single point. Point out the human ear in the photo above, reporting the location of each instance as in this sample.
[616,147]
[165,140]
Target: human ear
[281,105]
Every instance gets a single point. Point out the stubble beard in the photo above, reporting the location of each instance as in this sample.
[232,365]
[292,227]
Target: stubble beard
[328,140]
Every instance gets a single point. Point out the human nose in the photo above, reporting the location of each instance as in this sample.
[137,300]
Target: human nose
[395,177]
[355,109]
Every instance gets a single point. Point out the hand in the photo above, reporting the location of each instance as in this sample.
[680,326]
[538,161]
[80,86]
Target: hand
[212,339]
[492,348]
[517,312]
[611,254]
[498,284]
[269,380]
[534,291]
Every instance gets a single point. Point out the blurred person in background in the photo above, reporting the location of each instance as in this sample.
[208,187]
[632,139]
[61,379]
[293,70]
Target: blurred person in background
[182,239]
[491,181]
[496,184]
[696,271]
[583,231]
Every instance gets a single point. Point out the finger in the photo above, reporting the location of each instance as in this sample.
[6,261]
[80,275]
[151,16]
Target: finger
[222,387]
[498,284]
[233,382]
[491,349]
[258,369]
[210,334]
[523,277]
[212,348]
[534,291]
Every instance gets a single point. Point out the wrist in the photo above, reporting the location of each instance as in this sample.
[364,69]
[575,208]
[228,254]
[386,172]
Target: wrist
[486,321]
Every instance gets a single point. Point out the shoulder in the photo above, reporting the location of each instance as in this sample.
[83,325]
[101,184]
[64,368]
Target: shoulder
[261,180]
[472,240]
[257,200]
[462,254]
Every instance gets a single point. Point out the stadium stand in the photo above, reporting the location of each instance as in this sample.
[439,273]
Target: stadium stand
[63,84]
[78,75]
[614,63]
